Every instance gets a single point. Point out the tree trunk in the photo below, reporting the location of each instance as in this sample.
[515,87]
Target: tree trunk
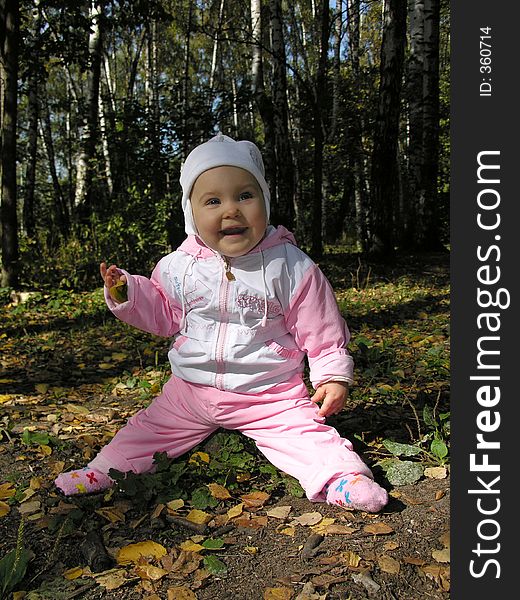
[9,28]
[356,129]
[414,97]
[214,56]
[32,146]
[84,166]
[262,100]
[427,230]
[319,137]
[61,213]
[384,176]
[284,208]
[186,91]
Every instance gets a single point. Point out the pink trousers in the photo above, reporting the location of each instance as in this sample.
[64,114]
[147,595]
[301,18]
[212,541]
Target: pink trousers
[282,421]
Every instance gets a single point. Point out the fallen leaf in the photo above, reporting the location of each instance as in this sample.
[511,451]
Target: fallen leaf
[174,505]
[150,572]
[323,524]
[42,388]
[198,457]
[199,517]
[73,573]
[351,559]
[445,539]
[439,573]
[290,531]
[308,519]
[4,509]
[280,593]
[436,472]
[218,491]
[253,523]
[133,552]
[251,550]
[111,514]
[6,491]
[378,528]
[235,511]
[414,560]
[181,593]
[112,579]
[255,499]
[442,556]
[388,564]
[190,546]
[337,529]
[279,512]
[391,545]
[27,508]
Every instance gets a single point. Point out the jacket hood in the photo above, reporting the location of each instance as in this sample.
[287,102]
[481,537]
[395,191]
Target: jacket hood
[274,236]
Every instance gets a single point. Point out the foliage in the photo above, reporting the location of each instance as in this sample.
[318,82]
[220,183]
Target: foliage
[13,565]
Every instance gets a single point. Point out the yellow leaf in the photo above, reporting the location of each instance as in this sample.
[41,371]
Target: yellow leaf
[28,508]
[74,408]
[6,491]
[119,291]
[290,531]
[105,366]
[174,505]
[321,527]
[281,593]
[73,573]
[198,517]
[251,550]
[4,509]
[236,511]
[119,356]
[133,552]
[45,450]
[351,558]
[7,380]
[198,457]
[150,572]
[42,388]
[6,398]
[190,546]
[181,593]
[218,491]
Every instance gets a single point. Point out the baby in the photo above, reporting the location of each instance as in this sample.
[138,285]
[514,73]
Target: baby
[244,306]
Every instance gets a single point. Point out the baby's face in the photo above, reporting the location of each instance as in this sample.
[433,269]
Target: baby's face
[229,210]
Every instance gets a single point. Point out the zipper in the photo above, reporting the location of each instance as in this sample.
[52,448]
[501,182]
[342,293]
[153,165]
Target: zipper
[225,286]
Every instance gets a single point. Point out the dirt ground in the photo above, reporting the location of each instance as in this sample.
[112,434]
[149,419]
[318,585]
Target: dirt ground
[255,541]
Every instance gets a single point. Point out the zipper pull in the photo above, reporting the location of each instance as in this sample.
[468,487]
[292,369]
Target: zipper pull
[229,275]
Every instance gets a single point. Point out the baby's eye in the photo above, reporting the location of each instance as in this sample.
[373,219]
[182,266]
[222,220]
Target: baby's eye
[246,195]
[212,201]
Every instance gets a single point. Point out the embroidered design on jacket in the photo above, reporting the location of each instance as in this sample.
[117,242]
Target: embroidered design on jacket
[257,304]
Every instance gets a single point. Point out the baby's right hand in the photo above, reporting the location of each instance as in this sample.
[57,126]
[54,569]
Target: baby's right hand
[114,281]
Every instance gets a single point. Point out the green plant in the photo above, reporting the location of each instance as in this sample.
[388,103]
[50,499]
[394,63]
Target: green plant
[13,565]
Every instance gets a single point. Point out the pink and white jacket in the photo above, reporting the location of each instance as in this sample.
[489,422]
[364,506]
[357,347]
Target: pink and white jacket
[242,324]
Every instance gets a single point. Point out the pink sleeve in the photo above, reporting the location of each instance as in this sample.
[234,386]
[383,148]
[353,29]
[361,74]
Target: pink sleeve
[148,307]
[313,318]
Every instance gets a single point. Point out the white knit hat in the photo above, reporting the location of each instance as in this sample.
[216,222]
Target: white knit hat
[220,151]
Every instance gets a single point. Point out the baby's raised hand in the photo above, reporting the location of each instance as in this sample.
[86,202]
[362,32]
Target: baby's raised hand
[115,282]
[333,396]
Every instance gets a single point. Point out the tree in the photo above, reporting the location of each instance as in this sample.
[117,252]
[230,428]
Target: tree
[384,175]
[9,28]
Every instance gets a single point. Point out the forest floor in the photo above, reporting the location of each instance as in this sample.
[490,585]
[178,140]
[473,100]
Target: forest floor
[221,522]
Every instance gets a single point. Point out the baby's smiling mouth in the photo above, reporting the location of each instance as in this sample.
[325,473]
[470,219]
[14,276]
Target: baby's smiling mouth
[233,230]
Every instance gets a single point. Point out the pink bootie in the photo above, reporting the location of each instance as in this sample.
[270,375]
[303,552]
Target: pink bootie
[357,492]
[83,481]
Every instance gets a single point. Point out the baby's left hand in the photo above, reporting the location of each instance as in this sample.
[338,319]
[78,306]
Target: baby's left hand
[333,394]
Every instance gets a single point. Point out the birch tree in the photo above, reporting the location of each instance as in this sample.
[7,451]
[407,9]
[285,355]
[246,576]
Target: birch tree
[384,175]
